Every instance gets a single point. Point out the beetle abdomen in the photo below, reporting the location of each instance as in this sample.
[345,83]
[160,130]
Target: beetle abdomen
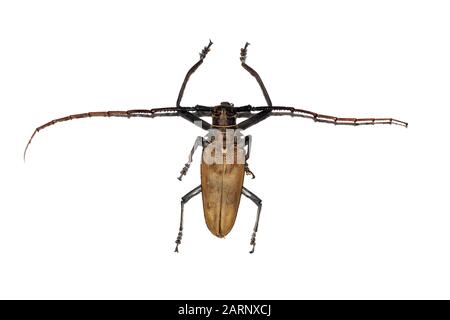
[221,191]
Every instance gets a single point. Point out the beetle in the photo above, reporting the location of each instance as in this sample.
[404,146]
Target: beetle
[225,151]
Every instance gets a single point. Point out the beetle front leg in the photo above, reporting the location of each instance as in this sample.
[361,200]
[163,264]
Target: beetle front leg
[254,74]
[198,142]
[203,54]
[248,143]
[258,202]
[188,196]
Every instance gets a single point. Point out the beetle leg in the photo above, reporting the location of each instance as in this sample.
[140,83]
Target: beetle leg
[255,118]
[203,54]
[258,202]
[188,196]
[254,74]
[248,171]
[248,143]
[200,141]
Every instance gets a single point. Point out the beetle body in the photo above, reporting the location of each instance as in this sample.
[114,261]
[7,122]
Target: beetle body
[225,151]
[222,172]
[221,189]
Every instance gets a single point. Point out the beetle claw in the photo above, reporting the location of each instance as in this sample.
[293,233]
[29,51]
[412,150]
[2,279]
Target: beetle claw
[253,242]
[178,241]
[248,171]
[244,52]
[184,171]
[205,50]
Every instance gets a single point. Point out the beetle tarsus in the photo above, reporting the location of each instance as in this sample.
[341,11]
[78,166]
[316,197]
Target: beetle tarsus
[206,50]
[258,202]
[244,52]
[253,242]
[178,241]
[184,171]
[188,196]
[198,142]
[248,171]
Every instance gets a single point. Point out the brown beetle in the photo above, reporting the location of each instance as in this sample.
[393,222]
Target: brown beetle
[225,150]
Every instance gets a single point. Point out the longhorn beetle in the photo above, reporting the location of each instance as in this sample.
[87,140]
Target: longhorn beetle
[225,152]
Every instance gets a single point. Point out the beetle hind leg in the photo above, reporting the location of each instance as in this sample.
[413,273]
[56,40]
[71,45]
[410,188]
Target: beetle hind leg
[188,196]
[258,203]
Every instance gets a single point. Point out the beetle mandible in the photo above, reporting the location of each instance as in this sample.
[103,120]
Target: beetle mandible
[225,151]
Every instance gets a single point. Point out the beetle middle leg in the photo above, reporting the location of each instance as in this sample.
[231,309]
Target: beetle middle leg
[258,202]
[200,141]
[188,196]
[248,143]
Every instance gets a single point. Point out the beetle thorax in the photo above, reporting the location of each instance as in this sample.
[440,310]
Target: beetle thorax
[224,115]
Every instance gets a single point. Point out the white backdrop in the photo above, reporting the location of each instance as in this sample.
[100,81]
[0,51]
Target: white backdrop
[348,212]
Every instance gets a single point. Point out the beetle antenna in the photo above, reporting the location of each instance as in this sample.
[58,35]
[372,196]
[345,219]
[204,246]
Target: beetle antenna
[136,113]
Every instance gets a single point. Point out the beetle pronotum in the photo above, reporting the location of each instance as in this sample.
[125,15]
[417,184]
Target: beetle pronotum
[224,151]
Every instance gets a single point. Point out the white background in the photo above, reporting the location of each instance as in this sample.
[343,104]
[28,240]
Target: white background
[348,212]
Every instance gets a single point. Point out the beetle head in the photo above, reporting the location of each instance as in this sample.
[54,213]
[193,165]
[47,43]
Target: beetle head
[224,114]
